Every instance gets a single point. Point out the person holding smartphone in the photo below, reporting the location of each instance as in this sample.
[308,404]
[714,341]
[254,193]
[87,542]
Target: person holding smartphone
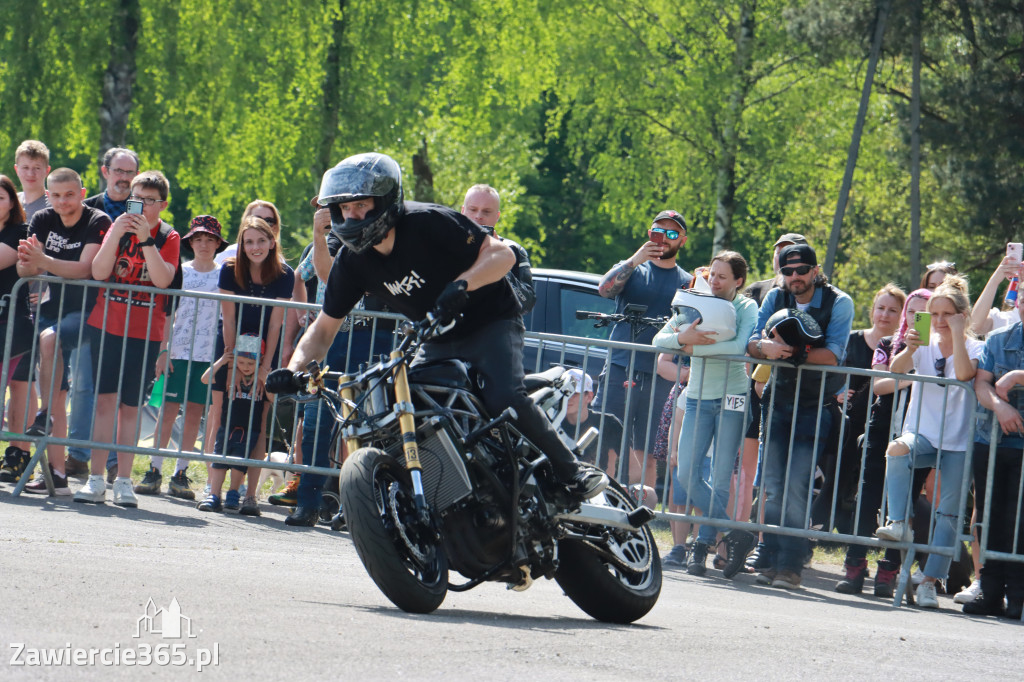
[650,277]
[936,426]
[985,318]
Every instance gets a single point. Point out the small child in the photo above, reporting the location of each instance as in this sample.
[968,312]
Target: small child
[241,424]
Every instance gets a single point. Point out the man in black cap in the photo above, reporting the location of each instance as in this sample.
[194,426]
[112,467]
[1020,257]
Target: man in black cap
[757,290]
[786,474]
[650,277]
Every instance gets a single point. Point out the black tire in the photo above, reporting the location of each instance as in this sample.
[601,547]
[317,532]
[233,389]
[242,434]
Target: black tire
[605,590]
[387,545]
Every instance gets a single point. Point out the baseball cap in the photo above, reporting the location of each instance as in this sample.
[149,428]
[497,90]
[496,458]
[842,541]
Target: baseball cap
[674,216]
[249,346]
[797,254]
[791,238]
[581,380]
[206,224]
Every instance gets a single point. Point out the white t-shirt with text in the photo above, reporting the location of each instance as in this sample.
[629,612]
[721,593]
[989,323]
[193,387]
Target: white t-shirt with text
[933,414]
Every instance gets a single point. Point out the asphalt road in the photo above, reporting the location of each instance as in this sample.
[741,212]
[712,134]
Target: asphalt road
[275,603]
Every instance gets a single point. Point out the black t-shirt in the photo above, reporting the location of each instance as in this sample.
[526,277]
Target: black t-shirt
[858,355]
[433,246]
[10,236]
[67,243]
[248,316]
[609,439]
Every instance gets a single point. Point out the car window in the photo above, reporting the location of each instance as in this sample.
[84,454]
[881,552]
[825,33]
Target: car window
[573,299]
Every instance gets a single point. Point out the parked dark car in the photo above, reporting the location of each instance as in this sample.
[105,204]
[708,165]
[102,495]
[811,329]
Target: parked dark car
[560,293]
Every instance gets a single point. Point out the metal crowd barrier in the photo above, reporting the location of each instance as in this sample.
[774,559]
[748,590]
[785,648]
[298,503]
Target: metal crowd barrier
[591,354]
[544,350]
[362,321]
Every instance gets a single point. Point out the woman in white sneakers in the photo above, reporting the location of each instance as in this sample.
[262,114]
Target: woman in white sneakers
[935,430]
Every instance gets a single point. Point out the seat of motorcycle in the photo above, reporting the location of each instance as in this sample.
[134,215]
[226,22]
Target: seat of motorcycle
[450,373]
[542,379]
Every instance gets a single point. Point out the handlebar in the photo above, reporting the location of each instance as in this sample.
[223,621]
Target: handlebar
[636,319]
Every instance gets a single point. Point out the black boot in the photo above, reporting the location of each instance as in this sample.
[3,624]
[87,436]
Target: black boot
[696,562]
[990,601]
[853,583]
[303,516]
[1014,580]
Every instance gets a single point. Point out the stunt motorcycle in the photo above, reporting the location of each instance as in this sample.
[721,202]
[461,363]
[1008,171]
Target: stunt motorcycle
[434,485]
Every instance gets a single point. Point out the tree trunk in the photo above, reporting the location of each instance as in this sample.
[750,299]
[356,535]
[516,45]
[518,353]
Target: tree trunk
[332,95]
[119,78]
[423,177]
[728,143]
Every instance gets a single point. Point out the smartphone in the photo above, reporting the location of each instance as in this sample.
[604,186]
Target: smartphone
[1015,250]
[134,206]
[923,325]
[658,237]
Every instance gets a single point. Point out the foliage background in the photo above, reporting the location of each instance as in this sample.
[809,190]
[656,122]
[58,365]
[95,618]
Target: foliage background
[587,117]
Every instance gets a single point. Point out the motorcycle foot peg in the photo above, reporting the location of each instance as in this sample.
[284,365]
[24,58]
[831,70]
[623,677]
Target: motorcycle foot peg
[640,517]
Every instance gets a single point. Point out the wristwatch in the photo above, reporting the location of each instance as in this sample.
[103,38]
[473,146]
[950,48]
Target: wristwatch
[148,242]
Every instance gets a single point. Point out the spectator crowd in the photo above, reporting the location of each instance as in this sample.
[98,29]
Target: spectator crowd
[892,458]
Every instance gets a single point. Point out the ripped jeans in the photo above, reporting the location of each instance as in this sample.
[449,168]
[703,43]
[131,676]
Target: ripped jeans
[899,474]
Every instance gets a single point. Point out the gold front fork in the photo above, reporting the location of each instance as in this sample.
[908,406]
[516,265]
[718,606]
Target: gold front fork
[407,423]
[347,397]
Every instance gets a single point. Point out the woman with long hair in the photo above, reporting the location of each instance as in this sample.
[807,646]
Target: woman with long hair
[935,428]
[714,412]
[256,271]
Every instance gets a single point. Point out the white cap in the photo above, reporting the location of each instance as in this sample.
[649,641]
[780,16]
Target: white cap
[582,380]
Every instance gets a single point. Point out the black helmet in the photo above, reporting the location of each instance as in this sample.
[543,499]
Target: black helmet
[358,177]
[796,328]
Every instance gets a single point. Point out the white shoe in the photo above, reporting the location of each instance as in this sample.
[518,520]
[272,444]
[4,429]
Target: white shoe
[124,495]
[968,594]
[896,531]
[916,578]
[926,596]
[94,490]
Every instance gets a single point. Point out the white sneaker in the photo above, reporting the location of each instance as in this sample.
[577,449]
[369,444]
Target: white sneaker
[124,493]
[916,578]
[94,490]
[968,594]
[926,596]
[896,531]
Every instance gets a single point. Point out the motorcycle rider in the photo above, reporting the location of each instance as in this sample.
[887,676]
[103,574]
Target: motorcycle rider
[421,258]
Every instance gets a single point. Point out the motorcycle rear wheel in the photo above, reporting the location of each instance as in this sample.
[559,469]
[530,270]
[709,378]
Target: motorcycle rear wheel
[408,566]
[608,592]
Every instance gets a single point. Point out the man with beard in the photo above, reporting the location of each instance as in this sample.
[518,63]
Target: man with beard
[120,166]
[650,277]
[786,476]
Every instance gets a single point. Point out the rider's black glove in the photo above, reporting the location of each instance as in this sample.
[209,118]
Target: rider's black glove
[451,302]
[286,381]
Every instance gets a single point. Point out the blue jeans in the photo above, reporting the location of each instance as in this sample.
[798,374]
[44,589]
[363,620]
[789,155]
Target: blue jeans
[705,421]
[316,433]
[78,369]
[786,478]
[899,474]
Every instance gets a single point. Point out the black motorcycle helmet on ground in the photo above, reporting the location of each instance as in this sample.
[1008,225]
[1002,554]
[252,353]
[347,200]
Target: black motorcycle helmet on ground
[796,328]
[358,177]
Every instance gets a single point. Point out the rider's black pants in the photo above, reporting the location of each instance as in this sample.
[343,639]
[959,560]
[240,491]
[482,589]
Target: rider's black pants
[496,352]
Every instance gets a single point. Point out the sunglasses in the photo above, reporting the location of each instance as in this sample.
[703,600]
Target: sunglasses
[940,367]
[944,265]
[669,234]
[798,270]
[269,220]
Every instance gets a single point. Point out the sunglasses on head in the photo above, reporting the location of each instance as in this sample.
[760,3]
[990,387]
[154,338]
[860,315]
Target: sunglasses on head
[945,265]
[796,270]
[669,234]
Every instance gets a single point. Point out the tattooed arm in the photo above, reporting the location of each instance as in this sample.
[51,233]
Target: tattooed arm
[615,279]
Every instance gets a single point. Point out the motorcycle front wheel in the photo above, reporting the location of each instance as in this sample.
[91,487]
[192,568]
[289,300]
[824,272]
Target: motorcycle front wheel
[616,579]
[401,555]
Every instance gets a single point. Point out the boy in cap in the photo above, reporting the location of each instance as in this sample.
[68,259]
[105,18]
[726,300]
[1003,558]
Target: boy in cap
[579,417]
